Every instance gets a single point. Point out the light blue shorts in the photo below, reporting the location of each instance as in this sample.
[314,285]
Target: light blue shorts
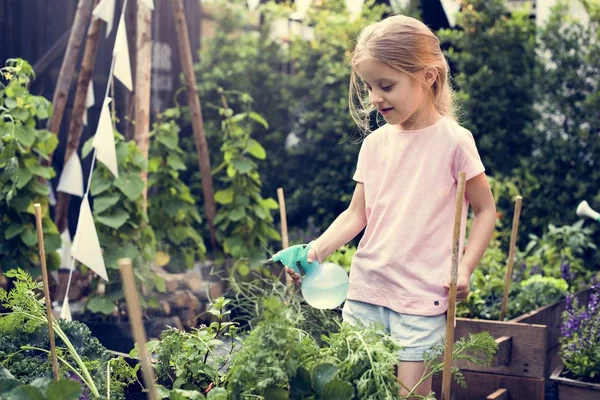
[415,333]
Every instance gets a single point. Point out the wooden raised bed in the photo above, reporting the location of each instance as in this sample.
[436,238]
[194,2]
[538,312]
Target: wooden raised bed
[527,354]
[569,389]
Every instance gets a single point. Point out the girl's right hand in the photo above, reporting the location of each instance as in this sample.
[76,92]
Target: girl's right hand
[311,256]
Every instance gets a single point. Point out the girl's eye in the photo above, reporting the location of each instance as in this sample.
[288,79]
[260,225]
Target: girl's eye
[387,88]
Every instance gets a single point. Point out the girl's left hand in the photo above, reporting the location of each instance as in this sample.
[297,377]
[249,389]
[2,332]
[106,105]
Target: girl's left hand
[462,287]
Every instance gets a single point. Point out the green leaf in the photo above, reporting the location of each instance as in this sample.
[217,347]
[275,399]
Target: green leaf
[47,145]
[102,203]
[29,236]
[100,183]
[131,185]
[224,196]
[270,204]
[276,393]
[256,149]
[322,374]
[44,172]
[21,114]
[175,162]
[115,219]
[13,230]
[101,305]
[178,234]
[25,392]
[237,214]
[87,147]
[24,135]
[23,176]
[243,165]
[258,118]
[64,389]
[338,390]
[169,140]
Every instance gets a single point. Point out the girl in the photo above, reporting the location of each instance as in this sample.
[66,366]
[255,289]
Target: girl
[406,182]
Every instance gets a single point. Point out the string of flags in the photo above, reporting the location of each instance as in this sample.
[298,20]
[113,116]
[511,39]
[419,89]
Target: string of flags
[86,246]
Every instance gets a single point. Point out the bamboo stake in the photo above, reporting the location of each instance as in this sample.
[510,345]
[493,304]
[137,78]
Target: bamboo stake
[135,320]
[185,55]
[511,256]
[38,222]
[76,125]
[285,243]
[451,314]
[67,69]
[142,86]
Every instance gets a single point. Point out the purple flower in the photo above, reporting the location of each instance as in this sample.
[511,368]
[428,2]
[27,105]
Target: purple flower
[565,271]
[535,269]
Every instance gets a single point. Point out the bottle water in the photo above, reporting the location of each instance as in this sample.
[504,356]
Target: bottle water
[325,286]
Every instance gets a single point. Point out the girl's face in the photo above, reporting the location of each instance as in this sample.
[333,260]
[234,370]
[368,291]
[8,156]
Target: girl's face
[401,99]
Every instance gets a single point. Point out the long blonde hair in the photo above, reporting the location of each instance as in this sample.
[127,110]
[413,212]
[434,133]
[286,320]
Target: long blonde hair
[406,45]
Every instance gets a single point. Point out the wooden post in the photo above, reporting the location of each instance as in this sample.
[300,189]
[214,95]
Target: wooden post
[142,85]
[76,125]
[447,374]
[67,69]
[185,55]
[511,256]
[135,320]
[38,222]
[284,230]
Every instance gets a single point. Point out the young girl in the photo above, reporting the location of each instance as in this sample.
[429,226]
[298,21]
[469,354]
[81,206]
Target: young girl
[405,193]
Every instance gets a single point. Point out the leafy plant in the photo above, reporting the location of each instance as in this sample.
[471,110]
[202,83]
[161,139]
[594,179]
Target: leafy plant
[41,388]
[343,256]
[24,340]
[171,208]
[579,345]
[244,222]
[122,224]
[21,185]
[194,361]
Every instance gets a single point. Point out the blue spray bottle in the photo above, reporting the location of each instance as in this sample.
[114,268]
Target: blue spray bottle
[324,286]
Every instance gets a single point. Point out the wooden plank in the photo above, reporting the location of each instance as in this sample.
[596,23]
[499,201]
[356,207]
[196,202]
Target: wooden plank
[500,394]
[550,316]
[528,356]
[504,352]
[481,384]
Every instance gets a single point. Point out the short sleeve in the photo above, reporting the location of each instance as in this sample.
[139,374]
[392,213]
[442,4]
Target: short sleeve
[466,157]
[359,174]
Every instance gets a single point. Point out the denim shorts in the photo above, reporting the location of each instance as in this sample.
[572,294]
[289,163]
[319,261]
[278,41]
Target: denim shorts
[415,333]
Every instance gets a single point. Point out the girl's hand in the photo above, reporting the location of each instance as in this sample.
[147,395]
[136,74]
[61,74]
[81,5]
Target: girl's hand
[295,276]
[312,255]
[462,287]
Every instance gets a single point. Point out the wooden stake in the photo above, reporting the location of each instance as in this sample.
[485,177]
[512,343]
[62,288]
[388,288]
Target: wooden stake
[38,222]
[76,124]
[451,314]
[67,69]
[135,320]
[185,55]
[142,85]
[511,256]
[285,243]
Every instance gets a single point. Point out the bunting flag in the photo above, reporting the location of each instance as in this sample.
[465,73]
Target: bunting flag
[65,312]
[451,8]
[354,8]
[51,196]
[86,246]
[66,261]
[104,140]
[71,179]
[149,4]
[302,7]
[105,11]
[253,5]
[90,101]
[121,53]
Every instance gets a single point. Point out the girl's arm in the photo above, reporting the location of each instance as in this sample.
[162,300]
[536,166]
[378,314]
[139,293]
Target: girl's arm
[345,227]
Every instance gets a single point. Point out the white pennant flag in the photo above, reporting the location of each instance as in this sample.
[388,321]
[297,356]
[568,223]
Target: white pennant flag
[90,101]
[71,179]
[104,140]
[253,5]
[451,8]
[65,312]
[354,8]
[65,250]
[149,4]
[302,7]
[121,53]
[86,246]
[105,11]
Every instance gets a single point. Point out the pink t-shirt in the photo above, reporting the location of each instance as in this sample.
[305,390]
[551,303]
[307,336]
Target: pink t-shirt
[410,181]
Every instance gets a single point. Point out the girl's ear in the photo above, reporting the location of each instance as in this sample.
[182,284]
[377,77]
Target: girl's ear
[430,76]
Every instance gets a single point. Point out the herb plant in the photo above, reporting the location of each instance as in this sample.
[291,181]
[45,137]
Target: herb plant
[21,185]
[40,389]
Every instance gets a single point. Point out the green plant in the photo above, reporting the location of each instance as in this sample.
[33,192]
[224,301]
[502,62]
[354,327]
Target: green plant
[13,389]
[171,208]
[24,340]
[195,361]
[343,256]
[122,224]
[244,222]
[21,185]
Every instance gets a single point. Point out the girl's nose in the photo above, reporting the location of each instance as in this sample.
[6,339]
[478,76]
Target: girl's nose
[376,98]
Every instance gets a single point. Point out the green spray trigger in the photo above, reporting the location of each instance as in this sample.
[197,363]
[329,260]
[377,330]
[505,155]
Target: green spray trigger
[294,257]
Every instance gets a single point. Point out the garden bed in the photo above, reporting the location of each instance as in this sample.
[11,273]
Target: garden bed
[570,389]
[528,352]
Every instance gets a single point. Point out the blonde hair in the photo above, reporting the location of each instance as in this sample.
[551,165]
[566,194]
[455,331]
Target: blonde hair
[408,46]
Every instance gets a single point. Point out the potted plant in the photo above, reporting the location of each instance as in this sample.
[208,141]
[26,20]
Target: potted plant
[579,376]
